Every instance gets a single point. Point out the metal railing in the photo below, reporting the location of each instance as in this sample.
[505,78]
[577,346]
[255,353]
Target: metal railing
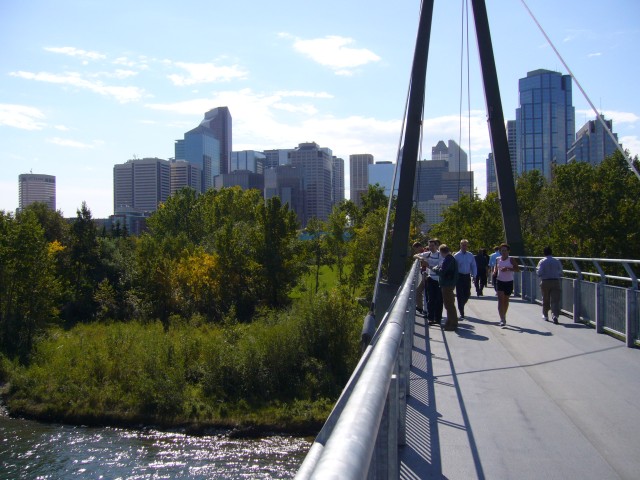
[360,438]
[607,301]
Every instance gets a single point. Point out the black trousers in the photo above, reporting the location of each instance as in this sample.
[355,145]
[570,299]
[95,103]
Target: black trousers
[480,280]
[434,301]
[463,290]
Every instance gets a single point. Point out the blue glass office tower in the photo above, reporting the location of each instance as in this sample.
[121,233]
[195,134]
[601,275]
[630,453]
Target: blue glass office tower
[593,144]
[201,148]
[545,121]
[218,121]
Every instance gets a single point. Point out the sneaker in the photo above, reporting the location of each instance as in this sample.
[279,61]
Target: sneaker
[503,323]
[545,318]
[555,320]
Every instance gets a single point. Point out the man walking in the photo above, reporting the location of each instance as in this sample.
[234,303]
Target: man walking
[493,258]
[432,282]
[466,269]
[550,272]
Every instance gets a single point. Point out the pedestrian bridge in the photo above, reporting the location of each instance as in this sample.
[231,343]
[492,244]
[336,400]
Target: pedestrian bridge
[531,400]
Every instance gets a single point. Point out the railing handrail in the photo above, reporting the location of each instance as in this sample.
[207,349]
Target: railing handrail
[345,445]
[625,263]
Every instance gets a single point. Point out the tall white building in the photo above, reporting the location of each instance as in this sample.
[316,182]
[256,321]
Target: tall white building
[34,187]
[359,175]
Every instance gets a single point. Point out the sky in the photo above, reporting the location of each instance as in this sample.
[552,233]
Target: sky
[87,84]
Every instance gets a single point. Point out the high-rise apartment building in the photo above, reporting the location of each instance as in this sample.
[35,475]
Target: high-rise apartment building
[34,187]
[141,184]
[185,174]
[316,164]
[359,176]
[338,180]
[545,121]
[593,144]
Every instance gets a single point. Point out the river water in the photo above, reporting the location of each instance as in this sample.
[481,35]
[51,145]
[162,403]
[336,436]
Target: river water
[32,450]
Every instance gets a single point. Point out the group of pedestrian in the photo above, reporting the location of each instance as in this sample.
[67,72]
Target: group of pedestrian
[446,277]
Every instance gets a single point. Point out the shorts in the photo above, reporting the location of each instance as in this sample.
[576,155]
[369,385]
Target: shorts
[505,287]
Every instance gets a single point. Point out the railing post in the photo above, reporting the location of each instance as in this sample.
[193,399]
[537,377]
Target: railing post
[392,470]
[599,308]
[630,320]
[577,300]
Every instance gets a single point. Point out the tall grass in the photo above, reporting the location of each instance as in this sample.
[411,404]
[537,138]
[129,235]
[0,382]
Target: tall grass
[283,370]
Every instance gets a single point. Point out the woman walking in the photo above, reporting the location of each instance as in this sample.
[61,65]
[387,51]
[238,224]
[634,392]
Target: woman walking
[503,272]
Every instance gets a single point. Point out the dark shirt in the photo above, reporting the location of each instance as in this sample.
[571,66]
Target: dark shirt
[448,272]
[482,262]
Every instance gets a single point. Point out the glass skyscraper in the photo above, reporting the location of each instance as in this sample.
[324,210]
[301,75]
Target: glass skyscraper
[545,121]
[593,144]
[202,149]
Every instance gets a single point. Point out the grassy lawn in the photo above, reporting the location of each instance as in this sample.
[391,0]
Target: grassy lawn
[327,280]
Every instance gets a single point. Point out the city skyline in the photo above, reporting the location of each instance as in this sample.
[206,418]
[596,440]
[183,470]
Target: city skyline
[75,100]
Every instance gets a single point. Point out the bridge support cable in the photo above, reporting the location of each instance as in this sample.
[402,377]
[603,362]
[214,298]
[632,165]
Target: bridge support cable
[497,132]
[464,47]
[595,110]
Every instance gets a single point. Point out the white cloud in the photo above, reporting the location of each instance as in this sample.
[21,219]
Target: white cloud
[64,142]
[595,54]
[76,52]
[21,116]
[206,73]
[617,117]
[334,52]
[631,143]
[121,94]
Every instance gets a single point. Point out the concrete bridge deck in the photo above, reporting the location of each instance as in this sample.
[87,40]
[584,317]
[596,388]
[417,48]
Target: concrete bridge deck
[531,401]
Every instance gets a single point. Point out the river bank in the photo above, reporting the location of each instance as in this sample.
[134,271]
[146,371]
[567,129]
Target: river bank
[250,424]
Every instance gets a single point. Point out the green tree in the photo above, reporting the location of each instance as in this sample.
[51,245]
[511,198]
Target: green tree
[84,268]
[277,250]
[181,216]
[29,289]
[316,246]
[338,231]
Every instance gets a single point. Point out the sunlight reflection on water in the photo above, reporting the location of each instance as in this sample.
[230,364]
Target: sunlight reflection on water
[33,450]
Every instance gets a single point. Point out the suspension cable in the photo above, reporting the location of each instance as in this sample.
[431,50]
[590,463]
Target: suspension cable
[393,187]
[469,163]
[598,116]
[460,96]
[464,48]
